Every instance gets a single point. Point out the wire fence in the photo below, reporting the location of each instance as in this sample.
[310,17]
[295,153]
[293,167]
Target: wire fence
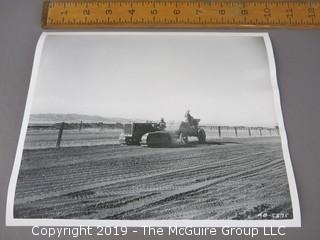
[56,135]
[240,131]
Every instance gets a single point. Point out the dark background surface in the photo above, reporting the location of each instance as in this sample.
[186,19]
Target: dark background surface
[297,55]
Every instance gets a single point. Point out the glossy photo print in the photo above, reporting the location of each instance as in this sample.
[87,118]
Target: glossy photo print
[153,129]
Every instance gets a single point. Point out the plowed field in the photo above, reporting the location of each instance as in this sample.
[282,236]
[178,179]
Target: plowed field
[233,179]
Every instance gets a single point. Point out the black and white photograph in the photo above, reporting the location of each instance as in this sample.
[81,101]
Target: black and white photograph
[164,128]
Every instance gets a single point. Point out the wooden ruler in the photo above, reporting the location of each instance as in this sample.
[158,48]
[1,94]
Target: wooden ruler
[181,14]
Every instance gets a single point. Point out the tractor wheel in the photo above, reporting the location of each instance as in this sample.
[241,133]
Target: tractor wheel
[201,135]
[158,139]
[128,141]
[183,138]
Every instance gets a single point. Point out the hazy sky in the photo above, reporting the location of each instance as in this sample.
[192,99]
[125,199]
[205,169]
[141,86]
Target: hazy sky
[221,79]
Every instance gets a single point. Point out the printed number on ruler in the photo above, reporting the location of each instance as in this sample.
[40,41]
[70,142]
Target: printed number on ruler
[187,14]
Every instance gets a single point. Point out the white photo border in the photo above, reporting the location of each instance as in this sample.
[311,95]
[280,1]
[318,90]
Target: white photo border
[295,222]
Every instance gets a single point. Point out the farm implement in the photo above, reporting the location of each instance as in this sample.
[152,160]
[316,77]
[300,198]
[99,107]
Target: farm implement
[153,134]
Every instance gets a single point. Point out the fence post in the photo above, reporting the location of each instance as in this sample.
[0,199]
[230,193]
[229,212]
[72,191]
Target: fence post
[236,131]
[60,135]
[249,131]
[80,127]
[219,131]
[260,131]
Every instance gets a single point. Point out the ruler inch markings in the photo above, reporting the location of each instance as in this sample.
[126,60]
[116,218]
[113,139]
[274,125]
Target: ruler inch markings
[182,14]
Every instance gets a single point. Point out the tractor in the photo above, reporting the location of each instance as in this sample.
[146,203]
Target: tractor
[133,132]
[191,130]
[154,135]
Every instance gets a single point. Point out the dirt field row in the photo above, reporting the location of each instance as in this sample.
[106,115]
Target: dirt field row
[237,179]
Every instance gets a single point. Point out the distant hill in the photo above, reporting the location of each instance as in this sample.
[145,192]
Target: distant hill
[58,117]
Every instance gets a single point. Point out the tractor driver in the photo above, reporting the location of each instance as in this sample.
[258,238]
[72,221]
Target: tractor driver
[189,118]
[162,124]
